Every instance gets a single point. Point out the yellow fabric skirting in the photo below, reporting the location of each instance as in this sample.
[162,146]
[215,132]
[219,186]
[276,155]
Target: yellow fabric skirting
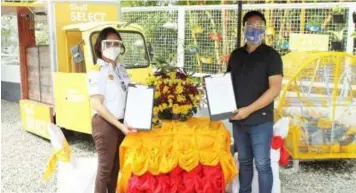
[176,143]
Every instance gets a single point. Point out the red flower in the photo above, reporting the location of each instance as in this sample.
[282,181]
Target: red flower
[225,58]
[216,37]
[161,86]
[181,76]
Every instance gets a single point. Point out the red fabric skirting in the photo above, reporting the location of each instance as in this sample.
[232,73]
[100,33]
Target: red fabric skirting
[202,179]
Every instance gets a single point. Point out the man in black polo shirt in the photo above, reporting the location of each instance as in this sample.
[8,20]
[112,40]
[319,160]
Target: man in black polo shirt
[256,71]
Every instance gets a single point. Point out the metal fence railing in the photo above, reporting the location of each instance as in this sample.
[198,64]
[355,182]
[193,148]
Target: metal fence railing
[201,37]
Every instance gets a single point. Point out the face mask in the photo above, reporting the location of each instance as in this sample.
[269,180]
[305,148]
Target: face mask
[254,36]
[112,53]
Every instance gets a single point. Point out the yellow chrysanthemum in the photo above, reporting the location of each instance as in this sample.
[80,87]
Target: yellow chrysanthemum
[184,109]
[164,105]
[155,111]
[151,80]
[172,75]
[178,96]
[165,89]
[181,98]
[176,109]
[179,89]
[157,94]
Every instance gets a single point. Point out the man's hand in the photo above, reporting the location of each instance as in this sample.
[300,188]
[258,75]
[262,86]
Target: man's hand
[267,97]
[241,113]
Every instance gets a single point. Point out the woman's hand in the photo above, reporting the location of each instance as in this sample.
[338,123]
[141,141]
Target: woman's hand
[126,129]
[97,104]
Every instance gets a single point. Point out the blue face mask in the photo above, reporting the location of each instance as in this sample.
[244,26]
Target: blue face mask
[254,36]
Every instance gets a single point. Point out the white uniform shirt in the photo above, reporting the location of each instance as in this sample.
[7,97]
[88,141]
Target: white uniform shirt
[108,82]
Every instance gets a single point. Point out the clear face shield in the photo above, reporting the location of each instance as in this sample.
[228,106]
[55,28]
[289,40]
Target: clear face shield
[254,32]
[255,25]
[111,49]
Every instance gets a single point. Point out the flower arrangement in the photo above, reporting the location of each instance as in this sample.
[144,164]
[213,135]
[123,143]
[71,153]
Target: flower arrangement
[177,94]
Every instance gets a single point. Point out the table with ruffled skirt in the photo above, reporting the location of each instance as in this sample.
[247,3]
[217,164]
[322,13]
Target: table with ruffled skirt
[191,156]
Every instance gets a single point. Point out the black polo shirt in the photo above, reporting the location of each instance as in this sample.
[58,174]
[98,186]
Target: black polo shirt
[250,72]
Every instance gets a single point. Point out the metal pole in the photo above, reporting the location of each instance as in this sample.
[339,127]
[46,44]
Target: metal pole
[119,8]
[239,17]
[52,43]
[350,30]
[180,38]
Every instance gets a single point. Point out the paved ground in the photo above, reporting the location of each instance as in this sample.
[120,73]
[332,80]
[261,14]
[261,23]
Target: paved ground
[24,157]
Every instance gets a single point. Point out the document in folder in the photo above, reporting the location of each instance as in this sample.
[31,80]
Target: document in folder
[220,96]
[139,106]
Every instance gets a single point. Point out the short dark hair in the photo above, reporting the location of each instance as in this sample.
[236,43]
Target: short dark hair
[252,14]
[103,35]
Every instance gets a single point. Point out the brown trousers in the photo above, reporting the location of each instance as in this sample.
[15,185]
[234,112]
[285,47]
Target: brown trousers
[107,140]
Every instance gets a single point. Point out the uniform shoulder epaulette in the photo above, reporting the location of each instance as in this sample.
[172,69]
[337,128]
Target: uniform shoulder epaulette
[96,67]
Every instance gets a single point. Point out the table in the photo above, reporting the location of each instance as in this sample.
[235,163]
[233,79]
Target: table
[191,156]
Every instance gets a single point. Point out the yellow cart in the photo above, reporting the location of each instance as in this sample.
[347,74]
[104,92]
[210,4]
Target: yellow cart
[319,94]
[54,76]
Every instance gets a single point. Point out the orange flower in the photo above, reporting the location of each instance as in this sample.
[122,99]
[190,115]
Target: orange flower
[225,58]
[215,36]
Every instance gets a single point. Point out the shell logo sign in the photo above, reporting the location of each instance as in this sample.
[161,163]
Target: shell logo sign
[82,13]
[73,13]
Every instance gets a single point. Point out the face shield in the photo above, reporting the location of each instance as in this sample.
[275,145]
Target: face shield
[111,49]
[254,32]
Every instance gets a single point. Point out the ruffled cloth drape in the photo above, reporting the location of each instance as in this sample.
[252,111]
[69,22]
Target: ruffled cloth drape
[202,179]
[184,145]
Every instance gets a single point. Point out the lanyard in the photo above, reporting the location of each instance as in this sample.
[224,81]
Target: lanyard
[117,72]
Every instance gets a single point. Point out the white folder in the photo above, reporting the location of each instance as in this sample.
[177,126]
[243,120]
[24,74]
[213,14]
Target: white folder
[139,106]
[220,95]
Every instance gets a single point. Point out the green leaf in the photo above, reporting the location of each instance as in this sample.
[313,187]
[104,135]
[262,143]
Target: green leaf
[337,35]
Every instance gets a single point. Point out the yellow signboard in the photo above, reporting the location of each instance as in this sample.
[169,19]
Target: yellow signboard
[308,42]
[36,117]
[71,13]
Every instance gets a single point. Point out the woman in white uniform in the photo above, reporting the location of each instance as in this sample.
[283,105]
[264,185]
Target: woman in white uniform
[107,82]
